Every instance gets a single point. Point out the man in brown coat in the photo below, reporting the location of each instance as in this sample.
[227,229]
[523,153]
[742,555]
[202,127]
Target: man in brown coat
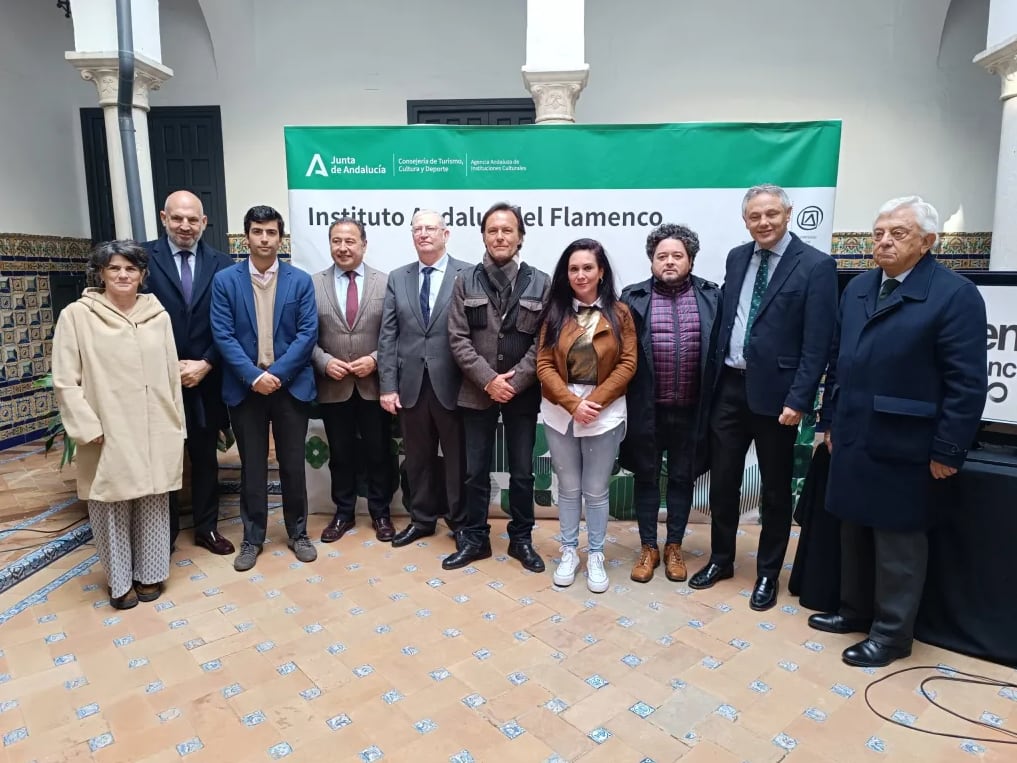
[350,295]
[492,327]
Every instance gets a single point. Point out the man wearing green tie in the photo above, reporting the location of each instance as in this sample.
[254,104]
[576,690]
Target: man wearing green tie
[779,304]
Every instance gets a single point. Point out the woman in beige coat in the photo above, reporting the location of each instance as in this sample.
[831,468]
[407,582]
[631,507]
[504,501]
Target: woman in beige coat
[117,385]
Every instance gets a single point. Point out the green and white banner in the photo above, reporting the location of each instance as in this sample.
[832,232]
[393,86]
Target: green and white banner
[613,183]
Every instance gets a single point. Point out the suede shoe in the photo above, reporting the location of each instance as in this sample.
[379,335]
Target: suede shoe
[149,592]
[383,529]
[710,575]
[836,623]
[409,534]
[303,549]
[527,555]
[336,529]
[872,654]
[247,557]
[128,601]
[764,595]
[469,551]
[674,564]
[648,561]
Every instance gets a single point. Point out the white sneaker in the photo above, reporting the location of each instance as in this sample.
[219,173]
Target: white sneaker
[566,572]
[596,577]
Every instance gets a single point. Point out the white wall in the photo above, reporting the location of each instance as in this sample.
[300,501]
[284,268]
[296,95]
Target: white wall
[42,173]
[1002,22]
[304,63]
[914,120]
[918,115]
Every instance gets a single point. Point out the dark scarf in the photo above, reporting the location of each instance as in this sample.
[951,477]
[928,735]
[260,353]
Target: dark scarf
[501,277]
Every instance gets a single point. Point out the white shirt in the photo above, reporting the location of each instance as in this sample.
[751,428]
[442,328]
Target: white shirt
[736,347]
[558,418]
[899,278]
[436,278]
[267,275]
[342,285]
[178,260]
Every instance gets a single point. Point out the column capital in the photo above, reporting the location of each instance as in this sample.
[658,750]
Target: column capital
[1001,59]
[555,92]
[103,70]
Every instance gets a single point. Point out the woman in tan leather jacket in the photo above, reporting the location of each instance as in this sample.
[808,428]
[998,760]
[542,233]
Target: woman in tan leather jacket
[585,358]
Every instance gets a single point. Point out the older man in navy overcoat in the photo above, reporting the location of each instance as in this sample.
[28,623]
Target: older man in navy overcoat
[903,400]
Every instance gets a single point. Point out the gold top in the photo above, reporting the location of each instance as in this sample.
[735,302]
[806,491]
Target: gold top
[582,358]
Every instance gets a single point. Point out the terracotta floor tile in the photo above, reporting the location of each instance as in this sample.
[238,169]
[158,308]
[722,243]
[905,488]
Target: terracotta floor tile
[385,638]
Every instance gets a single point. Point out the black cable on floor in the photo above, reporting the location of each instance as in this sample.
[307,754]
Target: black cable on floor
[970,678]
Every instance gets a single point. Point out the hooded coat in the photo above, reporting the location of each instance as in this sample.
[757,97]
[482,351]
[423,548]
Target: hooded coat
[116,375]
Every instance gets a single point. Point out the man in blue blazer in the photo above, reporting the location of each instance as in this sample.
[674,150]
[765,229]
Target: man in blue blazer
[903,400]
[265,325]
[181,267]
[779,306]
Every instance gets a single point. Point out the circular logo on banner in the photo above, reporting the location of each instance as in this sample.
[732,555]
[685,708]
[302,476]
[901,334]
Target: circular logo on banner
[810,218]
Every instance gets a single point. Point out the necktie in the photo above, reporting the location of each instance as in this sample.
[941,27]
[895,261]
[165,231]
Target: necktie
[352,303]
[425,295]
[758,290]
[887,288]
[186,276]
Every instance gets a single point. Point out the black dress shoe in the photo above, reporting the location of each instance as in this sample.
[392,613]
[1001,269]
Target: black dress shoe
[872,654]
[764,595]
[469,551]
[409,534]
[383,529]
[835,623]
[214,542]
[527,555]
[709,575]
[336,529]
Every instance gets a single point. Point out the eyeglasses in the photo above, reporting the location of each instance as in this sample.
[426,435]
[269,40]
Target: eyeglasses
[897,234]
[430,230]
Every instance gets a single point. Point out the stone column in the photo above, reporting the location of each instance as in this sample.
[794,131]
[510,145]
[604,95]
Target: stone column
[1001,59]
[555,73]
[102,69]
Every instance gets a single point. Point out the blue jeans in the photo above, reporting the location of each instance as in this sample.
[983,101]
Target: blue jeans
[583,466]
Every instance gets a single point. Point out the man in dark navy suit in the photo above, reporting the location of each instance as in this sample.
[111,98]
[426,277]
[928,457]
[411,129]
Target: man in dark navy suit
[265,324]
[180,273]
[903,400]
[779,305]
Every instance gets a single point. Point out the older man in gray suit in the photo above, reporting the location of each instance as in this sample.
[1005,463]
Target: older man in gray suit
[420,378]
[350,295]
[492,327]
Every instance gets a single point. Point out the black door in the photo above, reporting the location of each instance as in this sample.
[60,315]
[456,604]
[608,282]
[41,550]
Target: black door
[186,146]
[482,111]
[185,143]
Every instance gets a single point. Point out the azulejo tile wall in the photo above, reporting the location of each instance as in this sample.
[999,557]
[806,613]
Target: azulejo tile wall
[26,324]
[960,251]
[27,263]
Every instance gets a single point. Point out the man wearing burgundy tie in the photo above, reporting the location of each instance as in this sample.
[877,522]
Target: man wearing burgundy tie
[420,380]
[349,295]
[180,275]
[779,308]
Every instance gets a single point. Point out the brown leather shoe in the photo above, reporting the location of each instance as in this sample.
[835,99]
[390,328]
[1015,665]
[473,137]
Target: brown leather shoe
[649,560]
[214,542]
[383,529]
[336,529]
[674,565]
